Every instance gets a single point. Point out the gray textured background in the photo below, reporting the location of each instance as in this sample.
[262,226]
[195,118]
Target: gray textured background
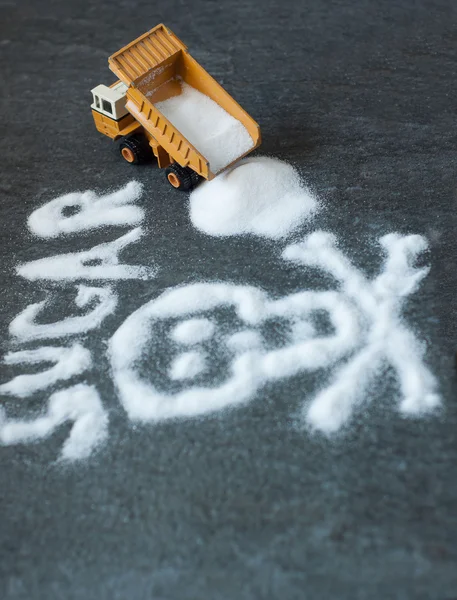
[361,96]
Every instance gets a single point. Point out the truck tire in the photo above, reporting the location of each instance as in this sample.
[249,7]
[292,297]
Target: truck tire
[134,149]
[182,178]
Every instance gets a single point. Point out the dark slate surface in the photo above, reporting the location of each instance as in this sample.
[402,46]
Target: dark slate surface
[361,97]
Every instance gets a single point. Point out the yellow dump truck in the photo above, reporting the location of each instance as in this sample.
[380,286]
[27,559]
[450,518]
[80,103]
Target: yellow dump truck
[165,104]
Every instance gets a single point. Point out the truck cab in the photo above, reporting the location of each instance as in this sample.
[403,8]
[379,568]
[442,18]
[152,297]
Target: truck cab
[110,101]
[109,110]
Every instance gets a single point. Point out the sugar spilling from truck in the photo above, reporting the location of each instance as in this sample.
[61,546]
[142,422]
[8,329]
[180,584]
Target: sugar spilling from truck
[165,104]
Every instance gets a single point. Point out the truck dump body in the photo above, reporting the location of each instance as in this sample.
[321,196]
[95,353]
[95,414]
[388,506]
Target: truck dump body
[177,103]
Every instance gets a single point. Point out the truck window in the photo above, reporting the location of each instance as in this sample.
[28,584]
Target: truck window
[107,106]
[97,101]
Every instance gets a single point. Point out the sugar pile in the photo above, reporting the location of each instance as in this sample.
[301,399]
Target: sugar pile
[263,196]
[218,136]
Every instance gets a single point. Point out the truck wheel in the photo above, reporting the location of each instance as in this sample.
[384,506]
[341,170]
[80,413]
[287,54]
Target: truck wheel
[134,149]
[182,178]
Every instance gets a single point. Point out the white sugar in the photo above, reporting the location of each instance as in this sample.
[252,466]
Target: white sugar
[187,365]
[80,405]
[303,330]
[368,332]
[67,362]
[244,340]
[384,338]
[249,367]
[25,328]
[263,196]
[218,136]
[193,331]
[78,265]
[90,212]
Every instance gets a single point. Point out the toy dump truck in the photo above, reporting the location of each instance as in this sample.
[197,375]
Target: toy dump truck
[166,105]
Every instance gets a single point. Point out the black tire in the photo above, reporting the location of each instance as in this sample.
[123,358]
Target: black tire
[135,149]
[182,178]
